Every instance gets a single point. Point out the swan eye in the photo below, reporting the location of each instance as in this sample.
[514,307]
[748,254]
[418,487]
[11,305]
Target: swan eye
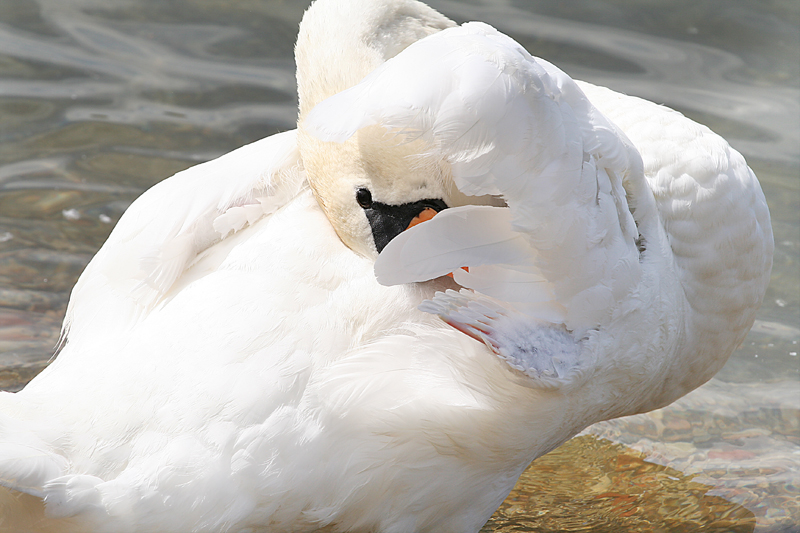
[364,198]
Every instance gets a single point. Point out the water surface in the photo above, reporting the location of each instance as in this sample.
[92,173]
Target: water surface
[100,99]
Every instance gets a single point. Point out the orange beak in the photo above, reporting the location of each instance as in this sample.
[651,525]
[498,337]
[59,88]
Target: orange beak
[424,215]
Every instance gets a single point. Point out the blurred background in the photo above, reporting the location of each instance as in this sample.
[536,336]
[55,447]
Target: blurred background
[100,99]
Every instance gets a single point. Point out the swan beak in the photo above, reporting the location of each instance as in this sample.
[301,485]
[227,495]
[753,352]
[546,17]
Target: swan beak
[424,215]
[388,221]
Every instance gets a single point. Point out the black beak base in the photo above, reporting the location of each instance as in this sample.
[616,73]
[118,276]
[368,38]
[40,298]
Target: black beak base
[387,221]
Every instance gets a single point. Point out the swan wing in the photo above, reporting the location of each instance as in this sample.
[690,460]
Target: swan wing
[716,222]
[172,224]
[512,125]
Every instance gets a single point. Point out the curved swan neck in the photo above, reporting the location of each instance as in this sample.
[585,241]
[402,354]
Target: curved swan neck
[341,42]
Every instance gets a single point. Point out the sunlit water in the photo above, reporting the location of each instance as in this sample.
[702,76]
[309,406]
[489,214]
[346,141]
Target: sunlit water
[100,99]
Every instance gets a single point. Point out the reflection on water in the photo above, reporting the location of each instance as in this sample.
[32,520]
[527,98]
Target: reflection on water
[100,99]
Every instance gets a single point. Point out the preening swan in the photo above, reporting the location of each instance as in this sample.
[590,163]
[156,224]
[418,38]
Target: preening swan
[460,259]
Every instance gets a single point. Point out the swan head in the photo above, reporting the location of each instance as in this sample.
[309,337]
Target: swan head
[375,185]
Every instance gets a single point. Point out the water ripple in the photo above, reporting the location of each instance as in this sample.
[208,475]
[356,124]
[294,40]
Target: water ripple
[133,59]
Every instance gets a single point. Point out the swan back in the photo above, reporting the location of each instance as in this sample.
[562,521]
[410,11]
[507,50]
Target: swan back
[171,226]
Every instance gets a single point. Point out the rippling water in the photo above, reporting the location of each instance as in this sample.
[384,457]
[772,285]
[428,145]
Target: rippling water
[100,99]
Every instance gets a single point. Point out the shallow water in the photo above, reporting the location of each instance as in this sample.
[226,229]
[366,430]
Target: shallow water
[100,99]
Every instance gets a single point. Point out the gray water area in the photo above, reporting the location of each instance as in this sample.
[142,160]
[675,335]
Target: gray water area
[100,99]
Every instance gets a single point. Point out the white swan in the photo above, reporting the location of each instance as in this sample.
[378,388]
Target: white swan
[230,365]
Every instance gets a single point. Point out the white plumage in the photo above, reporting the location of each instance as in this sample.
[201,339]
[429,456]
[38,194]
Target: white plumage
[229,364]
[510,125]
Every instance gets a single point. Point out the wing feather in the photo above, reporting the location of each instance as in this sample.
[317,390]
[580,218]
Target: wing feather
[513,125]
[466,236]
[171,224]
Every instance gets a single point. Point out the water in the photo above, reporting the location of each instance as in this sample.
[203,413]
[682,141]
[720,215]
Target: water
[100,99]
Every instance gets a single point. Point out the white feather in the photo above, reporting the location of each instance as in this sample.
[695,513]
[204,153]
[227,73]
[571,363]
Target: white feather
[170,225]
[27,461]
[466,236]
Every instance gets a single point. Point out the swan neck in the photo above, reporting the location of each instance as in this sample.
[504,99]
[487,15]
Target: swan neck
[330,60]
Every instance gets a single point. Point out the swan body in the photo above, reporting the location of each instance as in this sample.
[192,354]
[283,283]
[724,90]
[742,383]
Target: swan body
[261,344]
